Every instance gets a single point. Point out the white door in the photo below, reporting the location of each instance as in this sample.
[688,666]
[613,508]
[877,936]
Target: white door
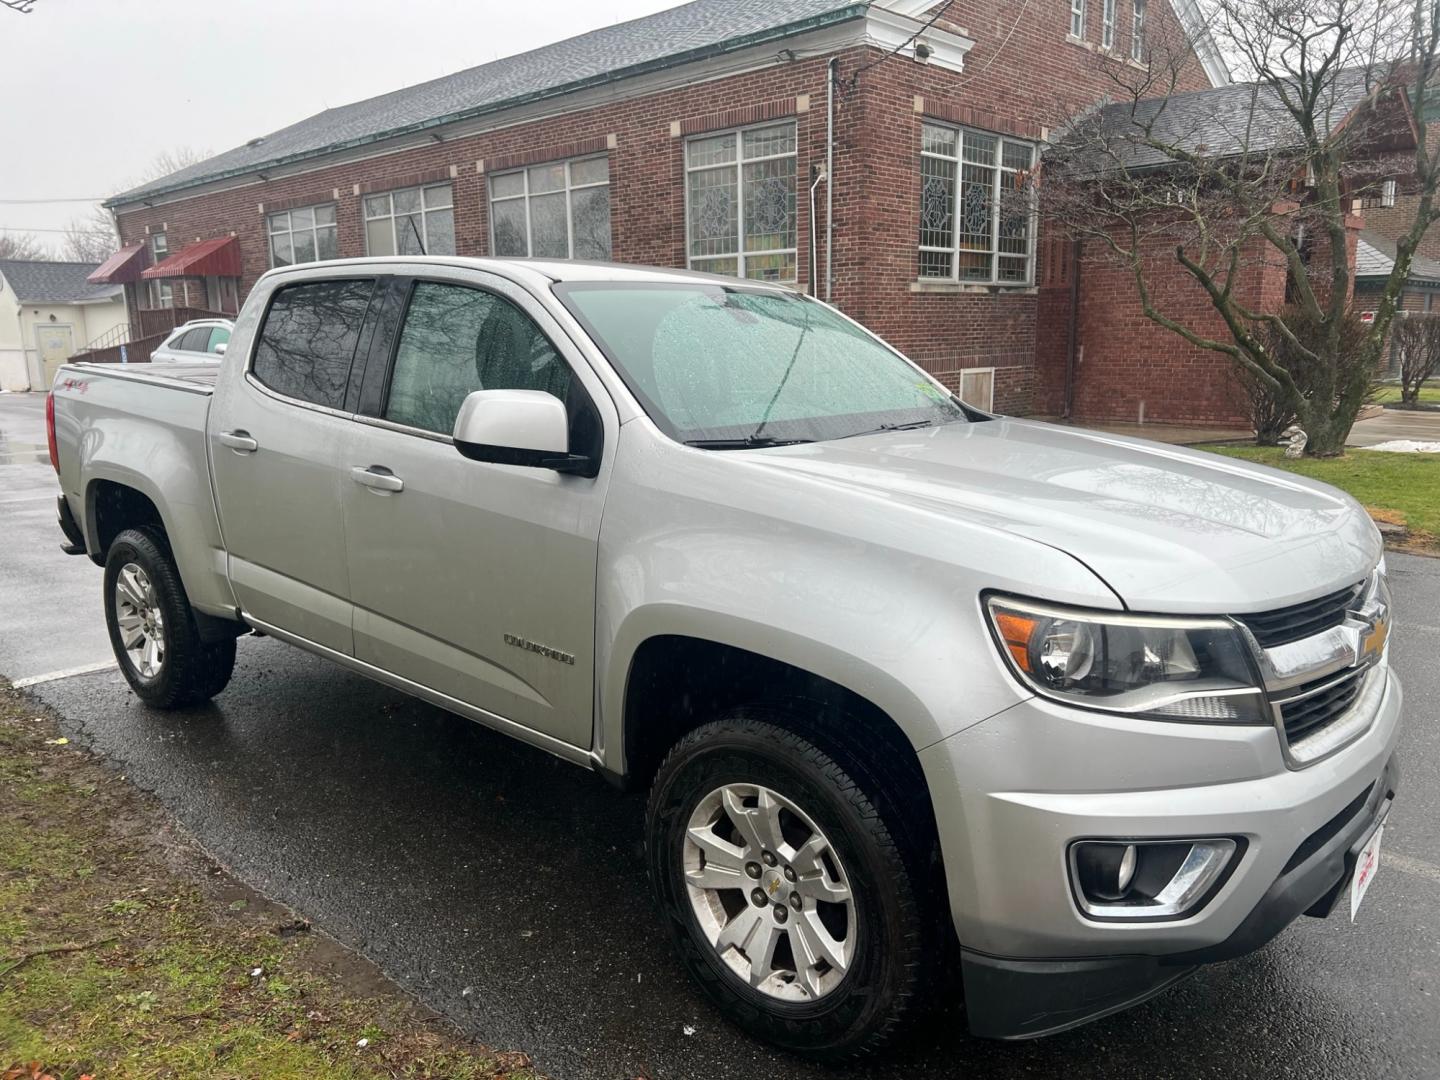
[55,342]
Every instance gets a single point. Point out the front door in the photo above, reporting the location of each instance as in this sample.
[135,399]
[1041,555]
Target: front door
[472,579]
[56,344]
[275,439]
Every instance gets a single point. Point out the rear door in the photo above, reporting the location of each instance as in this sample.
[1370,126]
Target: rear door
[472,579]
[276,432]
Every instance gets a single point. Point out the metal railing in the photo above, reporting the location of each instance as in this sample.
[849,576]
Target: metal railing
[114,336]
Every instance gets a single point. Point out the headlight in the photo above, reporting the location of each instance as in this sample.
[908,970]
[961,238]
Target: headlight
[1168,669]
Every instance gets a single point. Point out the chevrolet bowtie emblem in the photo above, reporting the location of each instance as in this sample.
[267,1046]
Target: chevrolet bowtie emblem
[1374,642]
[773,886]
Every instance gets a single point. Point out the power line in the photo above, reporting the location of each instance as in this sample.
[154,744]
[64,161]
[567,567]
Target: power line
[855,78]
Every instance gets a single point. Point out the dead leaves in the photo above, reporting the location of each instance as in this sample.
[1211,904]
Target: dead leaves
[33,1071]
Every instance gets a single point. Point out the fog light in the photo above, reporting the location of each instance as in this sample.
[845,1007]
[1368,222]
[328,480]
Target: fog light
[1148,879]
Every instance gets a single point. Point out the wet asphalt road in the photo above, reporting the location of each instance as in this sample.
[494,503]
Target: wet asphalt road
[507,889]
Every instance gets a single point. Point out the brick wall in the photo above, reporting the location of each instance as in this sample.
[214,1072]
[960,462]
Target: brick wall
[1021,77]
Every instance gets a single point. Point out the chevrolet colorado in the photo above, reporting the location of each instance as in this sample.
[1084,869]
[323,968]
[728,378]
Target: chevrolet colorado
[918,691]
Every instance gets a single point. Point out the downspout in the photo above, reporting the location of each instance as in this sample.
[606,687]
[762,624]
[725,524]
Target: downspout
[818,171]
[1072,347]
[831,69]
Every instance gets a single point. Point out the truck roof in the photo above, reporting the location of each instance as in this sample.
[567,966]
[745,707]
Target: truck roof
[546,269]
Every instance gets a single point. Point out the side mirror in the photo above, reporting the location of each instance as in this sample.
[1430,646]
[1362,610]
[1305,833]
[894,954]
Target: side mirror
[519,427]
[220,348]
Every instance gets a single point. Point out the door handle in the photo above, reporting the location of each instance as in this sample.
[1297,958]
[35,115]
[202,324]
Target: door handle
[239,441]
[377,478]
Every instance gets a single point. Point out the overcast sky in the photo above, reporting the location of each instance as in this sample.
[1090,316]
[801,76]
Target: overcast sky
[94,90]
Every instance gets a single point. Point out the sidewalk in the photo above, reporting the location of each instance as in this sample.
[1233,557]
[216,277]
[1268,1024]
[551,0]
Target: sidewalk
[1385,426]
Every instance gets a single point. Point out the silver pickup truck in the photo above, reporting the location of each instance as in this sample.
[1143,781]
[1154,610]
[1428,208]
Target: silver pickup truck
[928,701]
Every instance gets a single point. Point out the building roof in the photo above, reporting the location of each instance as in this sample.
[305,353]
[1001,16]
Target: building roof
[679,35]
[37,281]
[1375,259]
[1220,122]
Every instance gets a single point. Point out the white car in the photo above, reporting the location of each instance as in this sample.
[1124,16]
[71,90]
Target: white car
[198,340]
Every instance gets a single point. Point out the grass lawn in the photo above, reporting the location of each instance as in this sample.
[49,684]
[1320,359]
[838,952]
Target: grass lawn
[1403,489]
[1429,394]
[126,953]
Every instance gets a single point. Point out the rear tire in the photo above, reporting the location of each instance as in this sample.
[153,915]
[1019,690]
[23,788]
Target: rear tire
[855,902]
[153,630]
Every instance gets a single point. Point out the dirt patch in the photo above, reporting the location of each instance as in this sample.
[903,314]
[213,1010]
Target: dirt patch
[126,951]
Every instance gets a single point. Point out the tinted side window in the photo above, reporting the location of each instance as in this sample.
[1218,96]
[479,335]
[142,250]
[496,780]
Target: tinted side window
[457,340]
[194,340]
[218,336]
[308,340]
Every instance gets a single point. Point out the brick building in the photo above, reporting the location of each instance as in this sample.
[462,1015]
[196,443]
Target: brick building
[699,136]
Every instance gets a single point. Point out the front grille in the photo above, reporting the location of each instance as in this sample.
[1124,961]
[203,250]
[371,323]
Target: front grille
[1315,704]
[1287,624]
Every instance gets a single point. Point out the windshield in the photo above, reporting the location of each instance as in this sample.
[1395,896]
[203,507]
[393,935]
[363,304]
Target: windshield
[729,368]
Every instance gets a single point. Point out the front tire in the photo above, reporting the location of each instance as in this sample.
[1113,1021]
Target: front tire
[787,895]
[153,630]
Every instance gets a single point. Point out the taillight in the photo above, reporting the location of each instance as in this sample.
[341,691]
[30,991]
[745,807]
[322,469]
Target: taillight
[50,430]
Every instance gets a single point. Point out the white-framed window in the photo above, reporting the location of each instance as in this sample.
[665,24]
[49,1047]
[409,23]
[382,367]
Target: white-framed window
[159,248]
[1137,33]
[559,210]
[977,206]
[1379,197]
[159,294]
[1077,18]
[411,221]
[740,202]
[305,234]
[1107,25]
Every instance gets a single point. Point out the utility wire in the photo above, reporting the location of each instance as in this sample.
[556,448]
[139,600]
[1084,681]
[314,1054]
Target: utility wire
[855,78]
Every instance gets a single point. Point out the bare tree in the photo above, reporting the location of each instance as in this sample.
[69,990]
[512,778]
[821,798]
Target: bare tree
[22,246]
[1257,182]
[1416,341]
[24,7]
[91,238]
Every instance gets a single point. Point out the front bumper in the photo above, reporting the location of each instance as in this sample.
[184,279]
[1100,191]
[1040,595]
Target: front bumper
[1009,799]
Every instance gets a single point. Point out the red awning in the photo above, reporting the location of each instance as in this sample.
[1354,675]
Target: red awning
[121,268]
[219,257]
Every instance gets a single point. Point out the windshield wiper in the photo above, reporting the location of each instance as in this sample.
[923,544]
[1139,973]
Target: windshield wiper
[749,442]
[892,427]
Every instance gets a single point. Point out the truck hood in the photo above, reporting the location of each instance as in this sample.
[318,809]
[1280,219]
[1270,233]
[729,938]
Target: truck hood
[1168,529]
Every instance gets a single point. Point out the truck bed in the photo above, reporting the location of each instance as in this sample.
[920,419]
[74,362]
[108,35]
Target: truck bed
[197,378]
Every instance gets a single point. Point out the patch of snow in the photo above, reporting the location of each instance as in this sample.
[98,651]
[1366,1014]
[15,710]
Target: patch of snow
[1406,446]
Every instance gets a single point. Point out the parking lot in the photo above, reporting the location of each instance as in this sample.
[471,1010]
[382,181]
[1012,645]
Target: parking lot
[507,889]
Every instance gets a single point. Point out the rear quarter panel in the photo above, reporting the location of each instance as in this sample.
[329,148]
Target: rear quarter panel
[148,434]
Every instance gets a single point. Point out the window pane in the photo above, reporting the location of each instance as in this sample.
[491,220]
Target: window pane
[712,151]
[590,209]
[1016,155]
[308,340]
[938,140]
[408,237]
[506,185]
[437,197]
[195,340]
[377,206]
[281,252]
[770,205]
[712,211]
[771,267]
[325,215]
[456,341]
[937,203]
[547,178]
[219,335]
[303,218]
[407,201]
[304,246]
[547,227]
[328,248]
[980,148]
[976,208]
[590,171]
[729,266]
[380,237]
[935,264]
[1014,270]
[508,220]
[280,222]
[440,232]
[762,142]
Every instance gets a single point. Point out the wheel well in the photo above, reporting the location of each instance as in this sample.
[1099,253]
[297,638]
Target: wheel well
[113,509]
[678,683]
